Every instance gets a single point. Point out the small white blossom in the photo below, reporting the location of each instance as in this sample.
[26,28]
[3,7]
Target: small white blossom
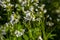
[28,16]
[12,19]
[32,0]
[16,20]
[4,5]
[33,19]
[18,33]
[24,3]
[58,20]
[0,2]
[36,9]
[31,8]
[58,11]
[38,19]
[40,38]
[3,2]
[10,4]
[49,23]
[35,4]
[45,11]
[7,24]
[3,32]
[38,6]
[59,15]
[42,6]
[8,0]
[23,30]
[27,13]
[20,1]
[16,5]
[50,18]
[37,1]
[13,12]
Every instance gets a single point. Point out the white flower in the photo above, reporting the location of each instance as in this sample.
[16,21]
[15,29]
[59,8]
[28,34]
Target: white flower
[24,3]
[27,18]
[37,1]
[18,33]
[4,5]
[20,1]
[40,38]
[7,24]
[50,18]
[10,4]
[0,2]
[28,15]
[13,12]
[38,19]
[58,19]
[42,6]
[3,2]
[36,9]
[32,0]
[16,20]
[12,19]
[59,15]
[33,19]
[31,8]
[16,5]
[49,23]
[3,32]
[58,11]
[45,11]
[8,0]
[35,4]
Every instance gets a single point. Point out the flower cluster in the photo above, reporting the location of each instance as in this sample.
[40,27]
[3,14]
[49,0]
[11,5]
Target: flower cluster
[14,18]
[18,33]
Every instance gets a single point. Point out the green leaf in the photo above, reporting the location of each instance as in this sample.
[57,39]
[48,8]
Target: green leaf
[25,37]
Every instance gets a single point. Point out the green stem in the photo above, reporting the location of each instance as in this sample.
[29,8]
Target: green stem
[43,28]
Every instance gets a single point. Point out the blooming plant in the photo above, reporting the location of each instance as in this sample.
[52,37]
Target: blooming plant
[27,20]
